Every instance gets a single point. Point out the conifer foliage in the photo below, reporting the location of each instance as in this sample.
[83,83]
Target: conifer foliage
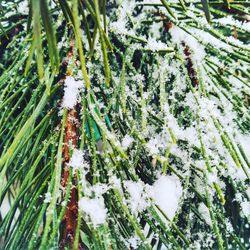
[124,124]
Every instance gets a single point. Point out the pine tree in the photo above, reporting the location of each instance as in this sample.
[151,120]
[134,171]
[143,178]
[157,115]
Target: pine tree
[124,124]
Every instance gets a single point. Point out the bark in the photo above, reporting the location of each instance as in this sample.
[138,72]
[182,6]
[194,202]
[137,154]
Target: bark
[69,222]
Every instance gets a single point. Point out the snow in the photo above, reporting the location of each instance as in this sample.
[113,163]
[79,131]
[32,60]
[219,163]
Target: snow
[151,2]
[153,146]
[115,182]
[119,27]
[245,206]
[229,20]
[166,192]
[5,207]
[210,39]
[23,7]
[235,172]
[248,192]
[99,189]
[244,141]
[72,90]
[179,36]
[95,208]
[204,211]
[139,78]
[124,10]
[76,159]
[133,242]
[138,197]
[127,141]
[47,198]
[212,177]
[152,149]
[155,45]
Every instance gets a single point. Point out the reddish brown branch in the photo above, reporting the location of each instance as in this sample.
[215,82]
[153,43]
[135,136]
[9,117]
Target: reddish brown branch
[235,32]
[167,25]
[69,222]
[190,66]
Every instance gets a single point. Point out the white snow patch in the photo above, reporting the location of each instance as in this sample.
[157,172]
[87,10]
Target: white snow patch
[155,45]
[153,146]
[179,36]
[71,92]
[100,188]
[133,242]
[204,211]
[48,197]
[138,198]
[212,177]
[210,39]
[127,141]
[115,182]
[244,141]
[23,7]
[95,208]
[245,206]
[166,192]
[76,159]
[235,172]
[229,20]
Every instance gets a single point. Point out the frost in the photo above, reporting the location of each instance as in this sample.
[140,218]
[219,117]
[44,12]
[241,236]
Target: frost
[168,126]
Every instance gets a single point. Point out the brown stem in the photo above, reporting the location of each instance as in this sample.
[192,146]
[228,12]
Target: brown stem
[69,222]
[167,24]
[190,66]
[235,32]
